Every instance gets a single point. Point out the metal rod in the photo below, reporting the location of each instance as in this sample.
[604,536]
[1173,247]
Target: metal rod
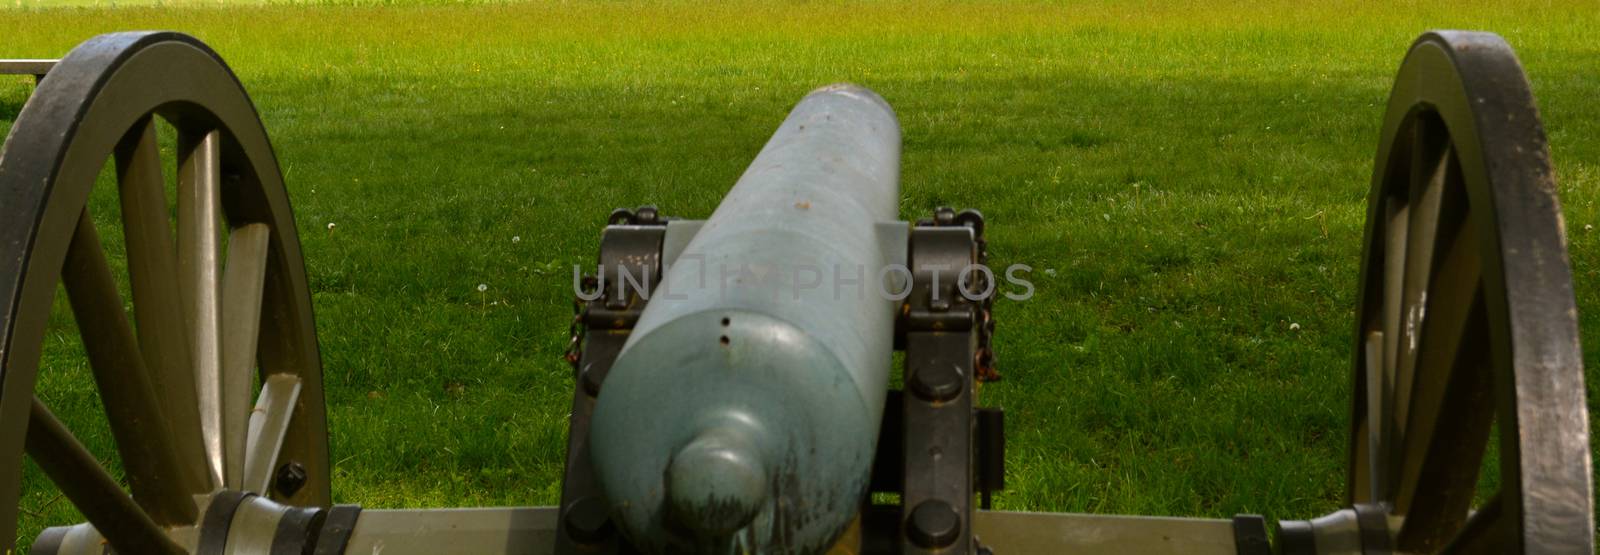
[132,404]
[91,489]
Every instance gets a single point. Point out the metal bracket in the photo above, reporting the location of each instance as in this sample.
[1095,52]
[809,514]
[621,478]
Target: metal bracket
[941,345]
[631,245]
[936,448]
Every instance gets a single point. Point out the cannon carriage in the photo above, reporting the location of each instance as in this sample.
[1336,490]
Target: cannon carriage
[758,417]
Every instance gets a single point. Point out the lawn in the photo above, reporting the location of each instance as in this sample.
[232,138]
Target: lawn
[1188,180]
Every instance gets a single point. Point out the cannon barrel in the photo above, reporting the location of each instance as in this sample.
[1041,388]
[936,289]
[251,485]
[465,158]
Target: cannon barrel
[743,412]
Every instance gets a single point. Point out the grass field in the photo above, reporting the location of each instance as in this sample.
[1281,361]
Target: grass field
[1188,179]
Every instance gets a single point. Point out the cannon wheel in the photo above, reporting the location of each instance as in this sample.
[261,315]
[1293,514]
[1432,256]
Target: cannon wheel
[1467,319]
[180,395]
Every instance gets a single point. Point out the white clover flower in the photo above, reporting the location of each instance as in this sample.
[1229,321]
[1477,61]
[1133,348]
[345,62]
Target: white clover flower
[331,225]
[1294,326]
[516,238]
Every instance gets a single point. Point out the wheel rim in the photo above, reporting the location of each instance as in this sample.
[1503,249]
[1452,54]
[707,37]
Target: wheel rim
[178,394]
[1467,303]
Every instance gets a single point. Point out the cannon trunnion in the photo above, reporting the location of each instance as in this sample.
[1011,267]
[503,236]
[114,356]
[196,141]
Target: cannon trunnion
[751,411]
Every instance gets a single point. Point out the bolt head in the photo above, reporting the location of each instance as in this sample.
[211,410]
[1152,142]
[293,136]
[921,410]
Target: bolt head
[933,524]
[290,478]
[937,382]
[587,520]
[647,215]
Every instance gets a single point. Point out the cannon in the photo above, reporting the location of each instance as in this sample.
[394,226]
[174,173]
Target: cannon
[728,396]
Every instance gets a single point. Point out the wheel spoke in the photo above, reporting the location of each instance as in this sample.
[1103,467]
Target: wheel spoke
[1431,163]
[161,485]
[1451,427]
[242,283]
[269,423]
[1377,436]
[1383,372]
[81,478]
[1487,531]
[152,269]
[199,253]
[1452,399]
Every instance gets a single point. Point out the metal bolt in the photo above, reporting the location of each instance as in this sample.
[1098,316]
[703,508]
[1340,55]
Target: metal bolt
[587,520]
[647,215]
[937,382]
[973,219]
[933,524]
[620,216]
[944,215]
[290,478]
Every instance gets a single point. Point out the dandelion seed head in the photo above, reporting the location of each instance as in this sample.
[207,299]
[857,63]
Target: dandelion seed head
[483,287]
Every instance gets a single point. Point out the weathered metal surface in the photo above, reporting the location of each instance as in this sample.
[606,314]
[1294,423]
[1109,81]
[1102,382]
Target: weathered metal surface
[1467,315]
[941,346]
[635,249]
[102,102]
[743,411]
[1362,529]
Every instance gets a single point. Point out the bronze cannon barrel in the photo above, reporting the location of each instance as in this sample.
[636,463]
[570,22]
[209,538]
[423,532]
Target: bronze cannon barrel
[743,412]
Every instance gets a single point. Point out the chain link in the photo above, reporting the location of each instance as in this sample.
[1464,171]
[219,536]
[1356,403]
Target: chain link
[580,310]
[984,362]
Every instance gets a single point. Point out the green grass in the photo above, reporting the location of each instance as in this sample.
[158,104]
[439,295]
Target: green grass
[1188,179]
